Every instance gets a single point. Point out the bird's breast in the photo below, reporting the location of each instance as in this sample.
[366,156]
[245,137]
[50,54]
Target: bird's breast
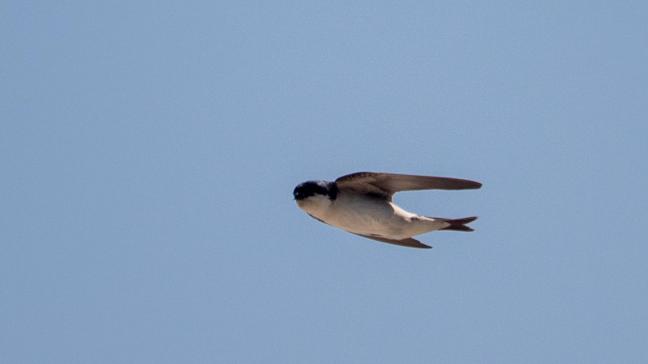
[366,216]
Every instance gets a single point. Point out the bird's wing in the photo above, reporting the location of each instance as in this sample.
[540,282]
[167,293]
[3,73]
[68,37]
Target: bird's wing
[386,184]
[409,242]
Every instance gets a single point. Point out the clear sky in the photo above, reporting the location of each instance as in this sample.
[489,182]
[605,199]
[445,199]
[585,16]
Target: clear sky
[149,150]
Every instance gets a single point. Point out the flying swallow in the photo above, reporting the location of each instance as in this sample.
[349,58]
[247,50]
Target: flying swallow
[361,203]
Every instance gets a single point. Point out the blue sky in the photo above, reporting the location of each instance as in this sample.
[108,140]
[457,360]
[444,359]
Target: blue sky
[149,151]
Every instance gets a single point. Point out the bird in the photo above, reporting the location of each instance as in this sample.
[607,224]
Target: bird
[361,203]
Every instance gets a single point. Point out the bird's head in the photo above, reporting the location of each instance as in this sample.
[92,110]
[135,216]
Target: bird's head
[314,188]
[311,194]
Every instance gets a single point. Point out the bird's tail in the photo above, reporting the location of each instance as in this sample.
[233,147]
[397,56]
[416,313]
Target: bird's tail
[458,224]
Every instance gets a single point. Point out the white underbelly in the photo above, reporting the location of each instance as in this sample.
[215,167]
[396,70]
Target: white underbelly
[370,218]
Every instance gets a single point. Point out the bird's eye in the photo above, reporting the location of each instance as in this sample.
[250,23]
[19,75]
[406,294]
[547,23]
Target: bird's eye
[298,194]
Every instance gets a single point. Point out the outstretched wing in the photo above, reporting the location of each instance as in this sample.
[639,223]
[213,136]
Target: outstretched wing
[409,242]
[386,184]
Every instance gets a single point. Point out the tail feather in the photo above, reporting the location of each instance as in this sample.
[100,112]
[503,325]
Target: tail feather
[459,224]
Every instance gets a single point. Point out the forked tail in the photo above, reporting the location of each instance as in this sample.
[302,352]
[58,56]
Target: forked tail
[459,224]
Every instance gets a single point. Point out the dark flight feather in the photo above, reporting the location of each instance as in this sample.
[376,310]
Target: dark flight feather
[386,184]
